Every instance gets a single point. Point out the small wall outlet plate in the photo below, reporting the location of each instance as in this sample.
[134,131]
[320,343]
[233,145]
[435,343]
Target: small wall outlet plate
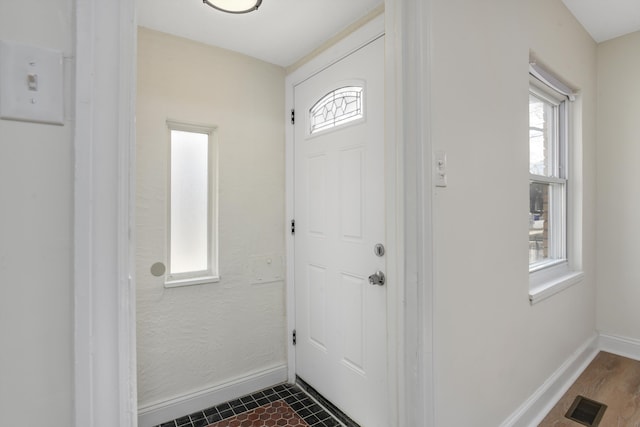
[31,83]
[267,269]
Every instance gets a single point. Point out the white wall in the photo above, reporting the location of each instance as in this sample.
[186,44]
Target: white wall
[492,349]
[193,338]
[36,220]
[618,192]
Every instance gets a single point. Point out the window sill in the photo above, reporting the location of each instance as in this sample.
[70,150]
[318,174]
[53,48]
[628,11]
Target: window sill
[541,290]
[191,282]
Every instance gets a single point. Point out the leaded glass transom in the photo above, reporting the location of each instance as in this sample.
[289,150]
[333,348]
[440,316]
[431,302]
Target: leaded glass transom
[336,108]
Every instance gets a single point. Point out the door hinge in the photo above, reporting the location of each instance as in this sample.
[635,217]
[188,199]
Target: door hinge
[293,337]
[293,116]
[293,226]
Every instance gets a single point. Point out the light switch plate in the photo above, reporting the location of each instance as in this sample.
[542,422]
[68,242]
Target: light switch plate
[31,83]
[440,168]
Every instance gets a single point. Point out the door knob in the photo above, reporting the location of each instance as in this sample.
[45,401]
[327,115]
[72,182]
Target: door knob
[377,278]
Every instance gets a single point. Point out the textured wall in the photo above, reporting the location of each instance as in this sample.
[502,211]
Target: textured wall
[36,220]
[192,338]
[618,178]
[493,349]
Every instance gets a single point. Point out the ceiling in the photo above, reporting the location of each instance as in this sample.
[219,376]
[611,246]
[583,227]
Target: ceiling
[280,32]
[606,19]
[283,31]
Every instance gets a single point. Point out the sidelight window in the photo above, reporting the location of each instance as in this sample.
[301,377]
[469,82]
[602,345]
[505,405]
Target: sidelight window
[192,256]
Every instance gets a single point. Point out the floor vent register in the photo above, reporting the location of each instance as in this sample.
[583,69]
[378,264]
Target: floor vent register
[586,411]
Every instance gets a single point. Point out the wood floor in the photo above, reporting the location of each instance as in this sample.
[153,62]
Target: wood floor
[609,379]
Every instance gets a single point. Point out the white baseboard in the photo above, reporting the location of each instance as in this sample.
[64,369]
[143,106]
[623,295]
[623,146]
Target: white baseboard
[530,413]
[627,347]
[534,409]
[156,413]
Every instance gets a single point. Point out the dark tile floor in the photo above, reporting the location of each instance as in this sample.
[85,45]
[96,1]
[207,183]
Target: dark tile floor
[282,405]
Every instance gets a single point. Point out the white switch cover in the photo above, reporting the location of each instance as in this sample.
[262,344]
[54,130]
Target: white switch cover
[31,83]
[440,168]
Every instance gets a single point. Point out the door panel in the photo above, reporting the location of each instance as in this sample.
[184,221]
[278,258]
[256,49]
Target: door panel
[339,209]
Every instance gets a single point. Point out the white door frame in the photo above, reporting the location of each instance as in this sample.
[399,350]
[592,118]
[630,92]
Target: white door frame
[408,202]
[104,293]
[359,39]
[409,94]
[354,41]
[104,135]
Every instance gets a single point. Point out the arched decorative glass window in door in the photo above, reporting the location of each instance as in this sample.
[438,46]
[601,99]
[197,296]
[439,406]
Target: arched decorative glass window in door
[336,108]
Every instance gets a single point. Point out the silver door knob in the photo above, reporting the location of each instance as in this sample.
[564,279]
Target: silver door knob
[377,278]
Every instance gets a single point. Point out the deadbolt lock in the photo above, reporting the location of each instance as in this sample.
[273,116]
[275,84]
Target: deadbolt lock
[379,249]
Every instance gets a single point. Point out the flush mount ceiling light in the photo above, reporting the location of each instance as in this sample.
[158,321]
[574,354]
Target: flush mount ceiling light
[234,6]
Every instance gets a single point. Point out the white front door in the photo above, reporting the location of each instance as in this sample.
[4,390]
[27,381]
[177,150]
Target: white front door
[341,321]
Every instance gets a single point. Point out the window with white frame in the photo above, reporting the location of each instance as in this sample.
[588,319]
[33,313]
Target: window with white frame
[192,206]
[547,177]
[554,237]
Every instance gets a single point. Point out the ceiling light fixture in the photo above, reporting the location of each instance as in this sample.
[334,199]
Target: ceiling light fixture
[234,6]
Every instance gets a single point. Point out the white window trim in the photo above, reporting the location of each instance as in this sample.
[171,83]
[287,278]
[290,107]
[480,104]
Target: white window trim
[210,275]
[550,278]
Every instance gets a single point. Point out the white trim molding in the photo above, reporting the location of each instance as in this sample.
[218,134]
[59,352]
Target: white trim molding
[538,405]
[409,107]
[104,297]
[627,347]
[535,408]
[156,413]
[551,285]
